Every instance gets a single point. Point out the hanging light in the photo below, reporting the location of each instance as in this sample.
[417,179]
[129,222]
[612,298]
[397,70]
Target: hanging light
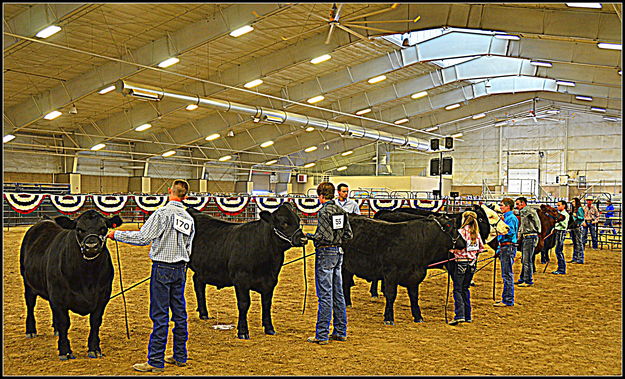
[310,149]
[308,165]
[191,107]
[253,83]
[169,153]
[242,30]
[52,115]
[143,127]
[47,32]
[225,158]
[168,62]
[97,147]
[266,144]
[320,59]
[213,137]
[315,99]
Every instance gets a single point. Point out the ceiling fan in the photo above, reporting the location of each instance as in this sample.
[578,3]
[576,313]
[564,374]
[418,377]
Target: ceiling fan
[546,114]
[334,21]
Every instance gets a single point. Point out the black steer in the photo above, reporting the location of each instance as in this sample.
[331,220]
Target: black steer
[398,253]
[67,263]
[248,256]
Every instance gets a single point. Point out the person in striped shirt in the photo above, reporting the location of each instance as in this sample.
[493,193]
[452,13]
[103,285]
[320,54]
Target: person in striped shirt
[170,230]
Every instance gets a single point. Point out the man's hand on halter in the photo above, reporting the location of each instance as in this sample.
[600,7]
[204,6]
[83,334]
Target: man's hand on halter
[111,235]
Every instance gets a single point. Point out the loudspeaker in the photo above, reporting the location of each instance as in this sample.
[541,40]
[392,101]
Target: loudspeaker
[434,167]
[449,143]
[447,163]
[454,194]
[434,144]
[436,193]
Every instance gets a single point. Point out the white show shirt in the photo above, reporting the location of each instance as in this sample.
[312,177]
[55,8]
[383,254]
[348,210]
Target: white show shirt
[349,206]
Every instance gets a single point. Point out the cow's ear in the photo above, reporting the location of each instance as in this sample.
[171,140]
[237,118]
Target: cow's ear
[114,221]
[65,222]
[265,216]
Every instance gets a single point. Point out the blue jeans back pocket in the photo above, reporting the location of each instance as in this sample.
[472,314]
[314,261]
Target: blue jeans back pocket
[165,275]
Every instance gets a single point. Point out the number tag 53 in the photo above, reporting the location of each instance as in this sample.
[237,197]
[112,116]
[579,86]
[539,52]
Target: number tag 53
[182,225]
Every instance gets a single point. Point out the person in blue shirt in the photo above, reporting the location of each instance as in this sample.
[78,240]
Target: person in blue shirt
[507,251]
[609,216]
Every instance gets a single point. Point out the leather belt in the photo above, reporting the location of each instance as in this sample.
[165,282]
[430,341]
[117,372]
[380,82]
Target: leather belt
[530,234]
[506,243]
[324,246]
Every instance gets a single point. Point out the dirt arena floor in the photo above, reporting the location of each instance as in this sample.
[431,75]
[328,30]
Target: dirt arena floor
[563,325]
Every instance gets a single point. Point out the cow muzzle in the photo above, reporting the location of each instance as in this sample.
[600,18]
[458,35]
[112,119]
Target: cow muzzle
[91,246]
[296,239]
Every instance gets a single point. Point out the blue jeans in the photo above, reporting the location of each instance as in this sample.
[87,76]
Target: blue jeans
[506,257]
[560,235]
[578,246]
[593,234]
[462,276]
[527,258]
[329,286]
[608,224]
[167,292]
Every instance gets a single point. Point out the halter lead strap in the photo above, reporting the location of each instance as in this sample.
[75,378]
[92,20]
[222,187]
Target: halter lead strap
[82,246]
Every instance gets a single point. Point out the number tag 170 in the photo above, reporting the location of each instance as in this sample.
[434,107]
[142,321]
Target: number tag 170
[182,225]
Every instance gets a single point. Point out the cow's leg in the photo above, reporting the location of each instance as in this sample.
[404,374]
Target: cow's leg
[62,321]
[266,297]
[348,282]
[373,290]
[243,303]
[31,300]
[390,292]
[93,343]
[200,295]
[413,294]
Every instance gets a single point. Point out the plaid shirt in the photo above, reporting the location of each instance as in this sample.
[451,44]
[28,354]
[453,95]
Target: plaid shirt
[168,244]
[325,234]
[591,214]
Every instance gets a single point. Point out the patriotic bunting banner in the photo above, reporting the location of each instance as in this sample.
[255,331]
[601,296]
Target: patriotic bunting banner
[68,204]
[24,203]
[384,204]
[232,205]
[428,205]
[197,202]
[307,206]
[109,204]
[268,204]
[150,203]
[360,202]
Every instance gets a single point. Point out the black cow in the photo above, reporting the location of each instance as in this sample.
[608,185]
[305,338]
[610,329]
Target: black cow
[248,256]
[398,253]
[67,263]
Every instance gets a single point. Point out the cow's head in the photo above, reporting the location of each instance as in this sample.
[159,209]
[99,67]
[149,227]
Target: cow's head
[497,226]
[286,224]
[448,226]
[90,231]
[551,213]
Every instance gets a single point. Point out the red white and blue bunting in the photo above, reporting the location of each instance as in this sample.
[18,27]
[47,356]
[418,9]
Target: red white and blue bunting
[150,203]
[109,204]
[269,204]
[360,202]
[197,202]
[232,205]
[68,204]
[308,206]
[428,205]
[384,204]
[24,203]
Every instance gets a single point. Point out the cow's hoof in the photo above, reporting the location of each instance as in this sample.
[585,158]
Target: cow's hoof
[389,322]
[31,335]
[418,320]
[270,331]
[67,356]
[243,336]
[94,354]
[56,334]
[349,306]
[205,317]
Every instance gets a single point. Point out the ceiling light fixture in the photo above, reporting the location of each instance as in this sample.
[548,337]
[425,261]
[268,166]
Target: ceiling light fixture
[266,144]
[401,121]
[478,116]
[509,37]
[609,46]
[106,90]
[346,153]
[242,30]
[47,32]
[363,111]
[376,79]
[269,163]
[310,149]
[584,5]
[320,59]
[584,98]
[315,99]
[614,119]
[453,106]
[52,115]
[501,123]
[143,127]
[310,129]
[8,138]
[225,158]
[191,107]
[419,95]
[457,135]
[213,137]
[565,83]
[308,165]
[541,64]
[168,62]
[253,83]
[342,168]
[169,153]
[431,129]
[597,109]
[98,147]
